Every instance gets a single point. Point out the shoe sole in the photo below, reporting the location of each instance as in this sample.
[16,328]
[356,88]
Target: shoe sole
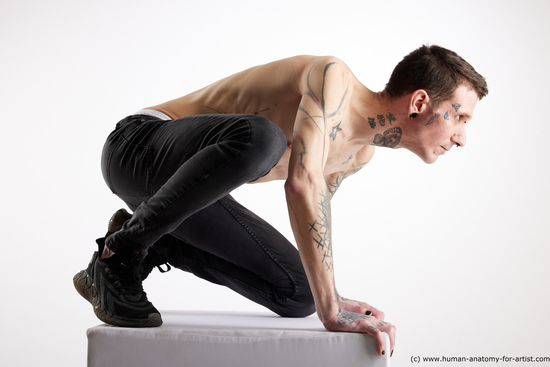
[85,287]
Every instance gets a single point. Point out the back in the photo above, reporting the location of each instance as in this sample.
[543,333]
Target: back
[271,90]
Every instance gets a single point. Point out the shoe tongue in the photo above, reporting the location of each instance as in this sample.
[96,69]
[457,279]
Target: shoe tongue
[100,245]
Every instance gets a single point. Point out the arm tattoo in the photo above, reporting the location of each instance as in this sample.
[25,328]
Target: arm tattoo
[322,126]
[456,106]
[302,153]
[390,139]
[322,231]
[312,118]
[334,184]
[432,119]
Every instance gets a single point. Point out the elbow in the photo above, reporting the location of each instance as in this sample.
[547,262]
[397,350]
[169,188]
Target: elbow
[296,188]
[303,188]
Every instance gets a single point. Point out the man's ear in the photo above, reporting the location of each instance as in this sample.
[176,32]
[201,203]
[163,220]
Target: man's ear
[420,102]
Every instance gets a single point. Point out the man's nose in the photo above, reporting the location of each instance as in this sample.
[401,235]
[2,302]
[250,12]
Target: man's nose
[459,137]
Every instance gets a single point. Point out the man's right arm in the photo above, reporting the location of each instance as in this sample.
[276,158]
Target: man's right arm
[308,197]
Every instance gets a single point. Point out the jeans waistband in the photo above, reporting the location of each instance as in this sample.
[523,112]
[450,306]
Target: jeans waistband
[154,113]
[142,116]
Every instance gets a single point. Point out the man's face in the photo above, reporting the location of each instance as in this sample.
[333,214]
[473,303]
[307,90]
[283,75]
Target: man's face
[447,126]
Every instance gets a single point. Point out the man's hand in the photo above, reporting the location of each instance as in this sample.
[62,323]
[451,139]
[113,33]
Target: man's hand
[360,307]
[360,323]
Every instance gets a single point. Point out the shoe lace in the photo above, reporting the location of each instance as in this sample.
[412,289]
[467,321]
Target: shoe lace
[126,276]
[153,260]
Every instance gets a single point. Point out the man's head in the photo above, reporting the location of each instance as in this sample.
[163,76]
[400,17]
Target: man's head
[436,70]
[440,90]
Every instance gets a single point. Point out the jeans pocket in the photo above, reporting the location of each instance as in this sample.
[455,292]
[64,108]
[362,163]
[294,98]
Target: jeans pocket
[129,170]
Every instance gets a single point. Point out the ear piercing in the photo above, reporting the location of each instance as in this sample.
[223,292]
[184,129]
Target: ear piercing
[413,115]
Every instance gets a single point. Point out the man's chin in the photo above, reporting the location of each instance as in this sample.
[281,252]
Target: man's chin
[429,158]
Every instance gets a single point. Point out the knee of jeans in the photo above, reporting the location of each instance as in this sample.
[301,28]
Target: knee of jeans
[266,137]
[301,305]
[267,144]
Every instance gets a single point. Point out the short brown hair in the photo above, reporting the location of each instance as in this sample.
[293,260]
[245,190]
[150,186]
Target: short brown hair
[436,70]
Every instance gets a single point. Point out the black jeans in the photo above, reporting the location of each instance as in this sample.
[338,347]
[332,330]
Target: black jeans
[176,176]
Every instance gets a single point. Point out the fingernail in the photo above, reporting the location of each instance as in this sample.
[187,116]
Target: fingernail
[368,313]
[383,352]
[391,355]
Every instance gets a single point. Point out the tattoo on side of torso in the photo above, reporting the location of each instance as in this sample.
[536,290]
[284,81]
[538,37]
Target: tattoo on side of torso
[225,113]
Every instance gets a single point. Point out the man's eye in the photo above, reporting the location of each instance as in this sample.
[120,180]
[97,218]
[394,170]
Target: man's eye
[458,117]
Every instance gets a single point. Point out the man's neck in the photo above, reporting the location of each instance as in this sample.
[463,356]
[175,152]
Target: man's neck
[374,113]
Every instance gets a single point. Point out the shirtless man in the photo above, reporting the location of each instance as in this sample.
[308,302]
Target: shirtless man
[306,120]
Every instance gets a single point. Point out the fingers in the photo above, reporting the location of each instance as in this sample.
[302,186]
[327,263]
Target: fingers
[371,311]
[376,328]
[378,314]
[360,323]
[391,331]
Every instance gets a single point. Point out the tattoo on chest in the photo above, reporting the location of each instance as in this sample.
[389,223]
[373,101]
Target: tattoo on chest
[335,130]
[390,139]
[347,160]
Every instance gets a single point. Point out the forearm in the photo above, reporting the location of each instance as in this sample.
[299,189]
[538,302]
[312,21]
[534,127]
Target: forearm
[310,217]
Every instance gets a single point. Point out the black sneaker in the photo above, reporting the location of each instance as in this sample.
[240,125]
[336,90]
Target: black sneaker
[155,258]
[155,254]
[117,293]
[84,279]
[114,288]
[117,220]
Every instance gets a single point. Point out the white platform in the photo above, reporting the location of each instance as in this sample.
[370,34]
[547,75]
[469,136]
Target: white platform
[211,339]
